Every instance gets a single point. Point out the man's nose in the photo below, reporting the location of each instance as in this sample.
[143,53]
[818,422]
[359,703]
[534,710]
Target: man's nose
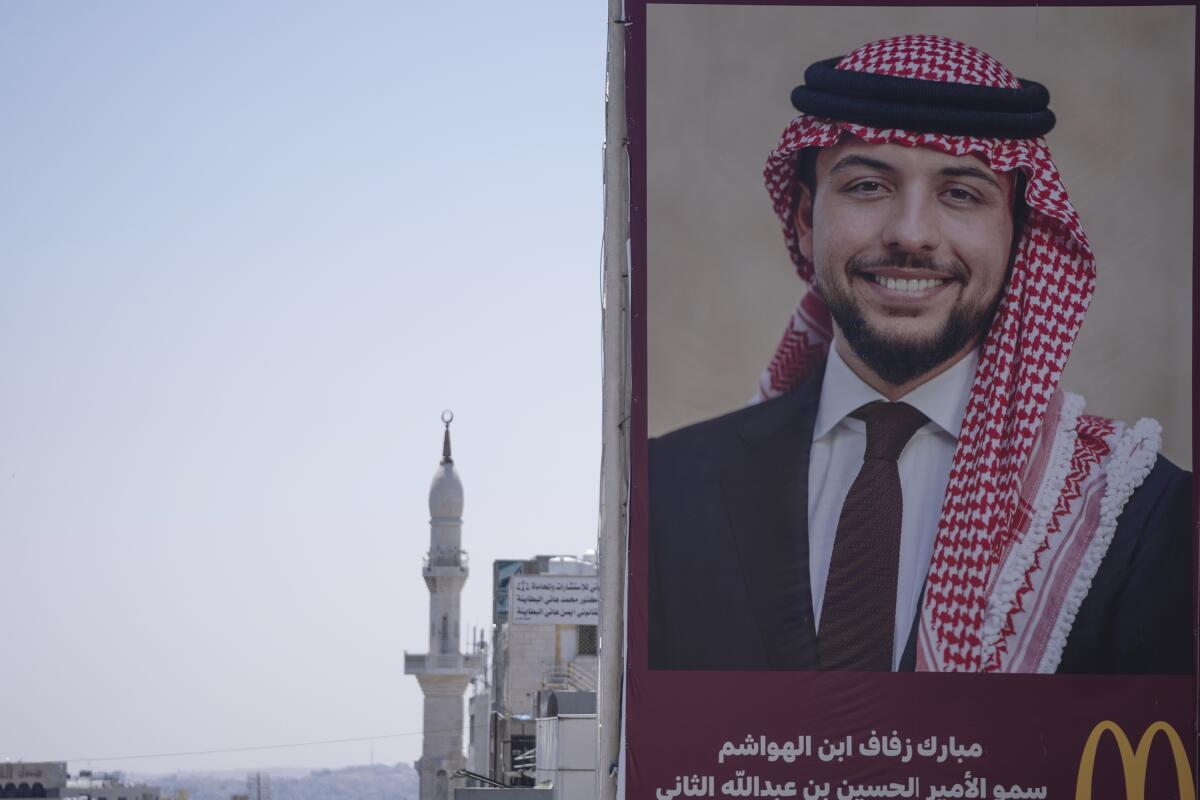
[912,224]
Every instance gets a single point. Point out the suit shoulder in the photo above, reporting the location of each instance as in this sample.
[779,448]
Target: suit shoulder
[1167,484]
[1137,616]
[1169,473]
[709,434]
[1154,530]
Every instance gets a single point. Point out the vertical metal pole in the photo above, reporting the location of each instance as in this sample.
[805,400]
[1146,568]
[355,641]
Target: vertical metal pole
[614,459]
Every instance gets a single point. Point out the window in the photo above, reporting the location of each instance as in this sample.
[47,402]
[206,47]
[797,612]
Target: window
[588,639]
[521,752]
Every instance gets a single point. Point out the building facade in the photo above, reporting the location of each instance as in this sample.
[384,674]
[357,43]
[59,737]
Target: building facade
[544,634]
[33,779]
[88,785]
[51,779]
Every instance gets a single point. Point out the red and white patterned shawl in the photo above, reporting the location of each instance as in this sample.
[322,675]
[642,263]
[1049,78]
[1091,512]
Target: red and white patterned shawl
[1036,486]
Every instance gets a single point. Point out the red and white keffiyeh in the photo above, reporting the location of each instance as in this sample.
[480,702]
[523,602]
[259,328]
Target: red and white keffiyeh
[1036,486]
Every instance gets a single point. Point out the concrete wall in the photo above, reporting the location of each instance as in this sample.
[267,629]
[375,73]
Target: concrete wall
[51,775]
[528,650]
[479,732]
[566,757]
[530,654]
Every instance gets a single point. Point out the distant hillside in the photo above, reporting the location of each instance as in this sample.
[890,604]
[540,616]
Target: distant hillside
[351,783]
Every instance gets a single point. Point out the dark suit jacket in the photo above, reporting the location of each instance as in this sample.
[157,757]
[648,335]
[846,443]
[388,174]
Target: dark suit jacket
[728,570]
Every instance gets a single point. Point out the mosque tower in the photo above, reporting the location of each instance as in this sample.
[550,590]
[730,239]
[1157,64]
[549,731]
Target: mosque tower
[443,672]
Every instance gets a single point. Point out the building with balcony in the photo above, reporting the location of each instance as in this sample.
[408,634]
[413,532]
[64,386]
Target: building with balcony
[545,612]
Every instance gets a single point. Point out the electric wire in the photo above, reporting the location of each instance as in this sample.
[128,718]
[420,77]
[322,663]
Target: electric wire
[217,751]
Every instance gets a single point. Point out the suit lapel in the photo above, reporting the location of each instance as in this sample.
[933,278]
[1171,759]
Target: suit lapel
[765,489]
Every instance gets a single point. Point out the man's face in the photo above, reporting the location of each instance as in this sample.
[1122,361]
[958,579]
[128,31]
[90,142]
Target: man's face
[910,248]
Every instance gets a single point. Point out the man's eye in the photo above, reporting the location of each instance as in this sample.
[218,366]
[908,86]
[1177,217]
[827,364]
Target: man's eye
[865,187]
[961,195]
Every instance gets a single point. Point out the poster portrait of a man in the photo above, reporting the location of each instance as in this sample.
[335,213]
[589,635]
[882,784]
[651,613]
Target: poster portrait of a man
[970,448]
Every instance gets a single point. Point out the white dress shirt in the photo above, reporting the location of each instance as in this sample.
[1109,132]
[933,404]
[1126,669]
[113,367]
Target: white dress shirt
[839,442]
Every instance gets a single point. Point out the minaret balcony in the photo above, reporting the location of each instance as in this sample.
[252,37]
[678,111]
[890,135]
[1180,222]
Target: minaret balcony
[448,663]
[458,558]
[449,569]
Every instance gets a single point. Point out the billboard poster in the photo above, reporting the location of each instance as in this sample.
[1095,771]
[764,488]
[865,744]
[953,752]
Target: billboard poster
[911,504]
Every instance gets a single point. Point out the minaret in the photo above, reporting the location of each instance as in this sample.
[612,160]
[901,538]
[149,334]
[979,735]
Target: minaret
[443,672]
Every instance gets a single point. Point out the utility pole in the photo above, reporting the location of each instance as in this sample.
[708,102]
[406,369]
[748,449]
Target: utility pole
[614,459]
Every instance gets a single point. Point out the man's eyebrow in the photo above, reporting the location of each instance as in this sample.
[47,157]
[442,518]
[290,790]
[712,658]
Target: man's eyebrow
[847,162]
[861,161]
[968,172]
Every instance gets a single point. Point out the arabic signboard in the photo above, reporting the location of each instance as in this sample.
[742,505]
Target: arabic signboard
[554,600]
[749,712]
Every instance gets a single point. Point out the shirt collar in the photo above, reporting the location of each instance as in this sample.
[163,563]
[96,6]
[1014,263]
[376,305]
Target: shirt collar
[943,399]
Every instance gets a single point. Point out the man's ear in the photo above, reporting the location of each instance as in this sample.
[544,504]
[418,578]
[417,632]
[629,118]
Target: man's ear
[802,216]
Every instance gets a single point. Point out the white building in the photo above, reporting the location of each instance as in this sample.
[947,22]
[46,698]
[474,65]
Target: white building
[33,778]
[544,614]
[566,746]
[443,671]
[51,779]
[108,786]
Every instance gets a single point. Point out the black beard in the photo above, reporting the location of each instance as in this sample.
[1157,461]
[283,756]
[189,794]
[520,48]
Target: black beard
[900,360]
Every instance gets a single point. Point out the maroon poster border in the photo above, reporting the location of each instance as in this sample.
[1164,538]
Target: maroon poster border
[694,699]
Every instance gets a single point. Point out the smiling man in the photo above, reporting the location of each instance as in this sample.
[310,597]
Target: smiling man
[916,491]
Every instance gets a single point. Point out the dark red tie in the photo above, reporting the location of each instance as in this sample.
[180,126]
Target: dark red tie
[858,617]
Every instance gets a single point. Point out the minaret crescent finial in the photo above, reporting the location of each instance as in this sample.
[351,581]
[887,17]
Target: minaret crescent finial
[447,418]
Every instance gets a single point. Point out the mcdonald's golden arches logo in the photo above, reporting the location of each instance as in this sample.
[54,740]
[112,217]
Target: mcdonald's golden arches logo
[1134,762]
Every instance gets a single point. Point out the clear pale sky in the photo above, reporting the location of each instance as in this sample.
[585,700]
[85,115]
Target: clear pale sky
[248,253]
